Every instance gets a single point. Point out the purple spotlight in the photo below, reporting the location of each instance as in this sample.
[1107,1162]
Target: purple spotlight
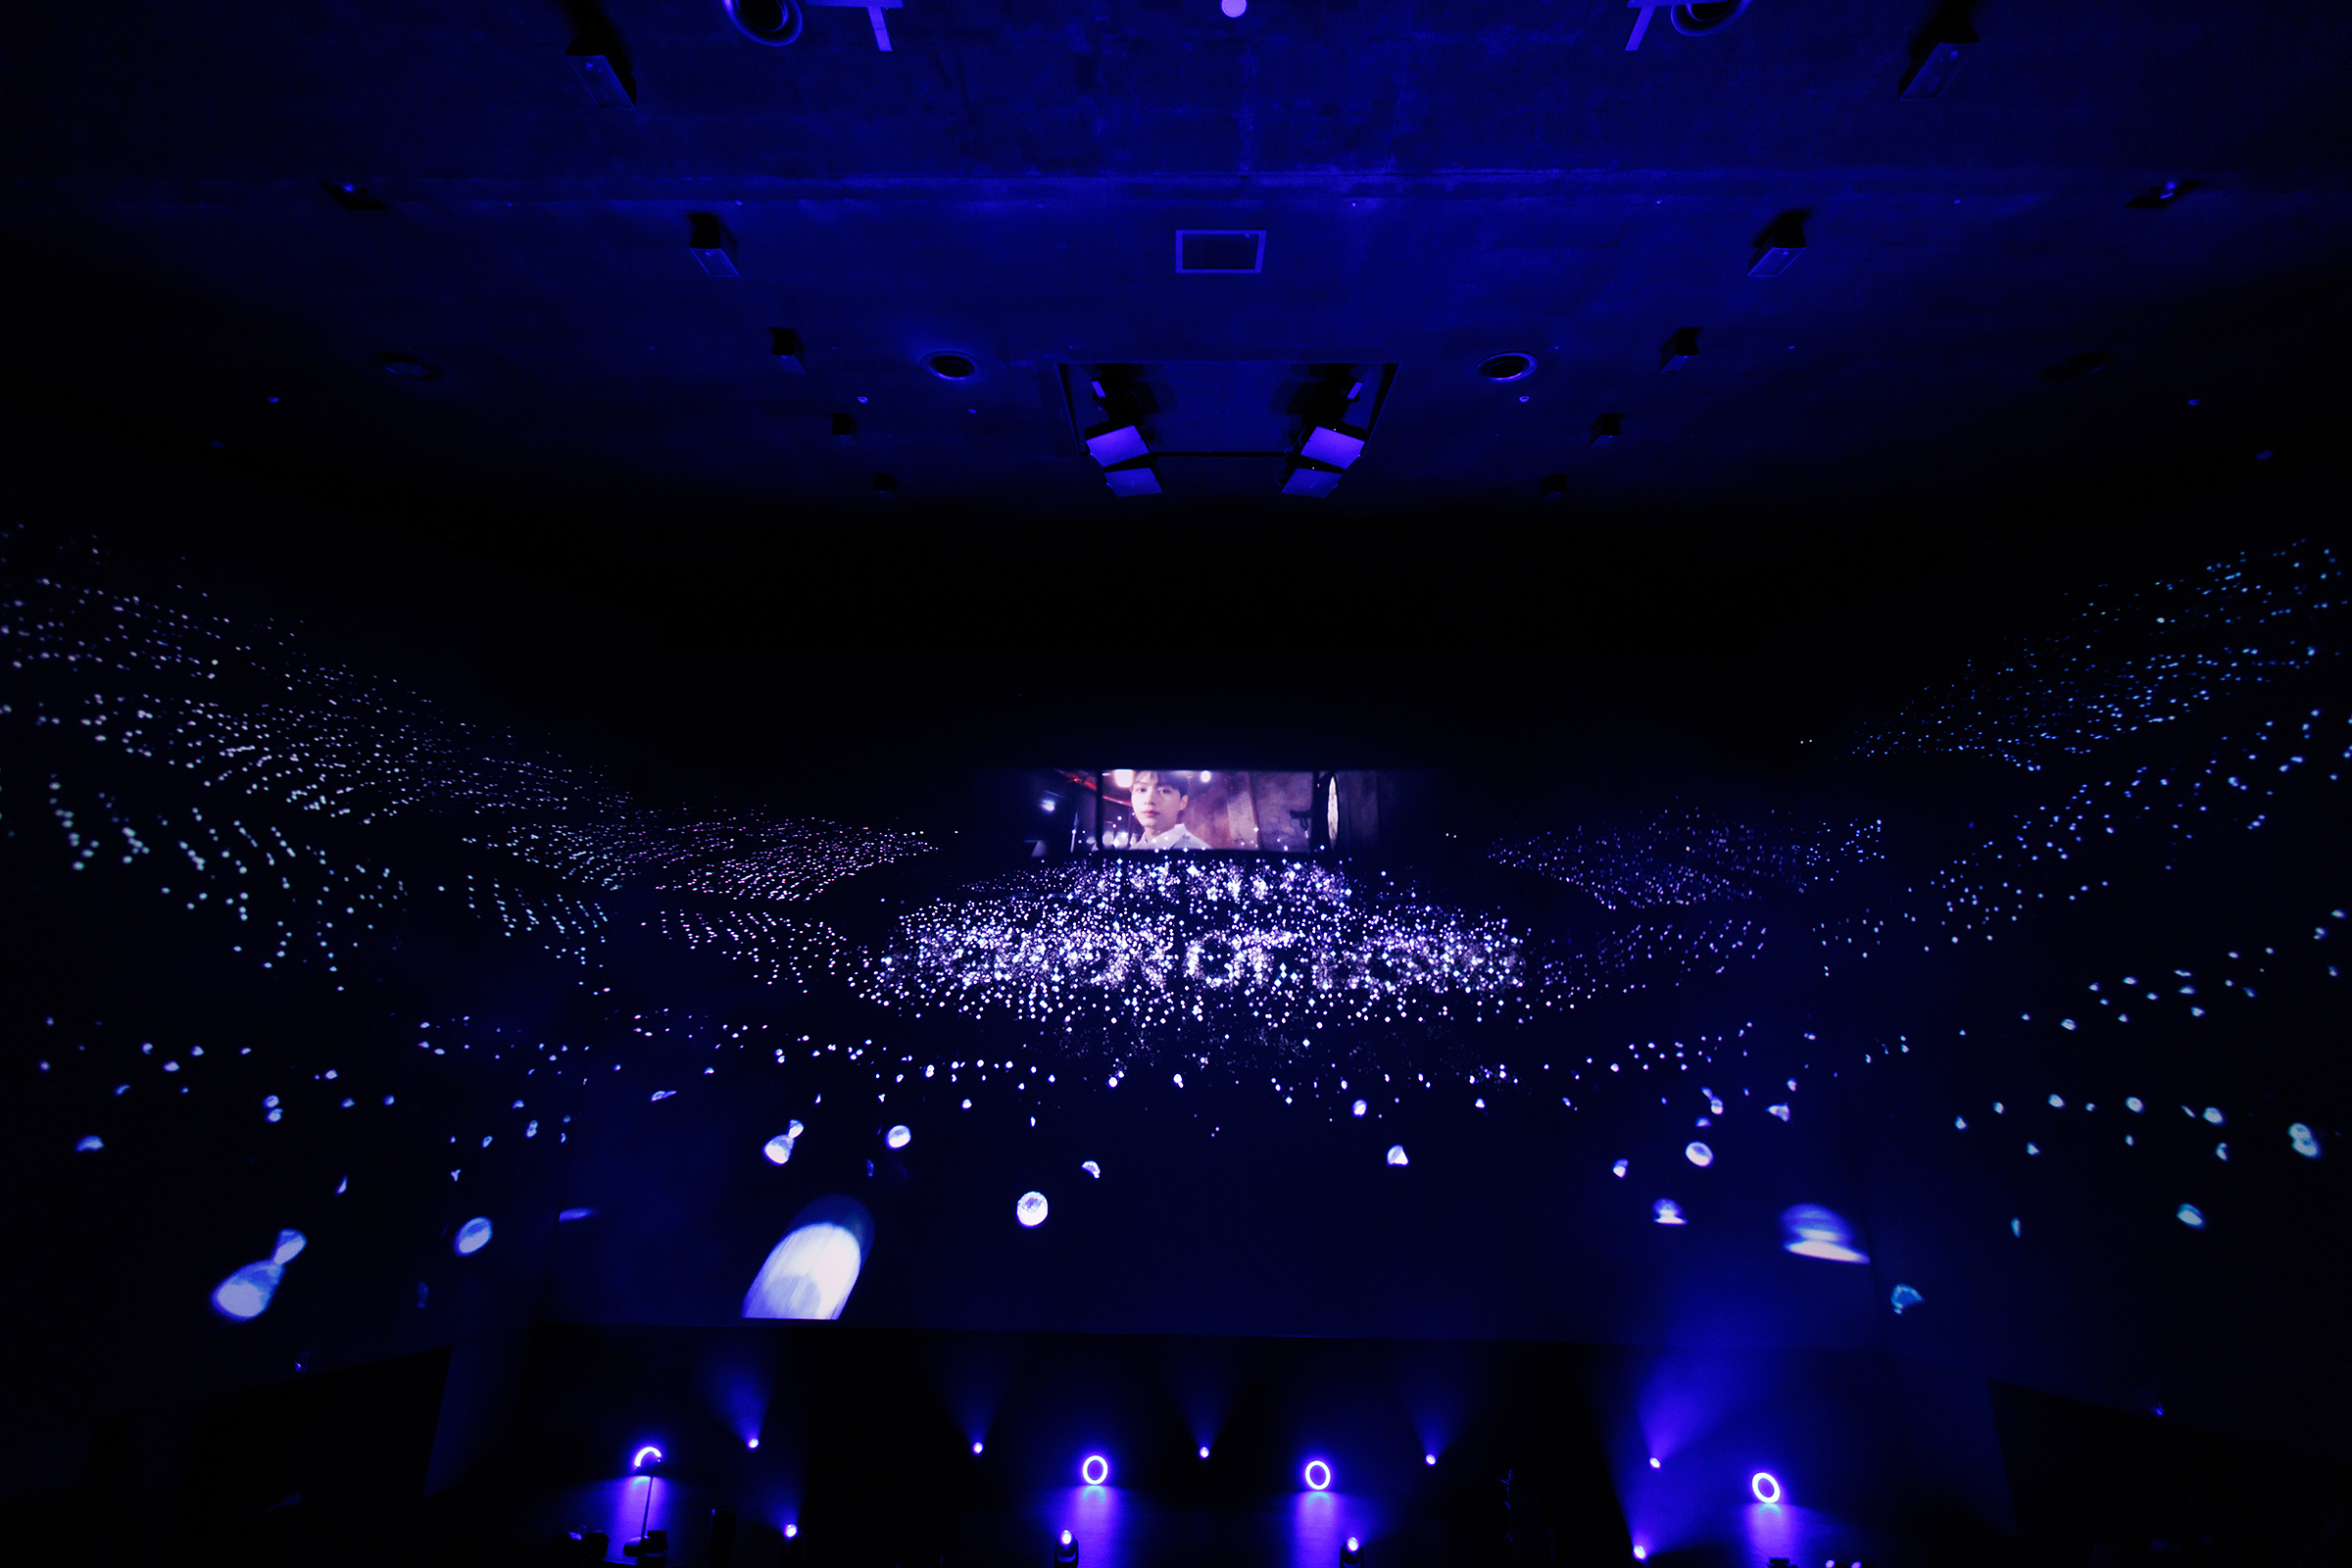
[751,1443]
[1094,1471]
[637,1459]
[1766,1489]
[1429,1459]
[1640,1554]
[978,1446]
[791,1530]
[1204,1451]
[1653,1463]
[1318,1476]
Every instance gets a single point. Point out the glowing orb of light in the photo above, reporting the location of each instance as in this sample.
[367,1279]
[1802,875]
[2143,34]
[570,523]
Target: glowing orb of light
[1233,8]
[1396,1155]
[1204,1451]
[751,1443]
[1766,1489]
[899,1136]
[1094,1471]
[1640,1554]
[790,1531]
[637,1459]
[1317,1476]
[1359,1107]
[245,1295]
[1429,1459]
[813,1270]
[1699,1154]
[1654,1465]
[2306,1142]
[1811,1231]
[1091,1168]
[1666,1211]
[2191,1215]
[473,1235]
[1905,1298]
[1030,1211]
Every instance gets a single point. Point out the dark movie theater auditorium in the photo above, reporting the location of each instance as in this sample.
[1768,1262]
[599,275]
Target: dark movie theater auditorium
[1739,961]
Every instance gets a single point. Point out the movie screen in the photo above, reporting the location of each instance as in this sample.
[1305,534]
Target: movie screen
[1281,812]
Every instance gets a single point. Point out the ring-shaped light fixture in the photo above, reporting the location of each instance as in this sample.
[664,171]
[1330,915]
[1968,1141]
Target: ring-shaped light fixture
[637,1459]
[951,365]
[1506,367]
[773,23]
[1317,1468]
[1708,15]
[1094,1471]
[1766,1489]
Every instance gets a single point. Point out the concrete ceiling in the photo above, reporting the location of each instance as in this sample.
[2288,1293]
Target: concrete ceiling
[1438,183]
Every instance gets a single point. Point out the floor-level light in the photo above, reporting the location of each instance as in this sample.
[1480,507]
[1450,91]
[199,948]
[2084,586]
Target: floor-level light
[1066,1550]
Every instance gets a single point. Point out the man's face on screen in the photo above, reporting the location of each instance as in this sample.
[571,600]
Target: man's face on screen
[1158,802]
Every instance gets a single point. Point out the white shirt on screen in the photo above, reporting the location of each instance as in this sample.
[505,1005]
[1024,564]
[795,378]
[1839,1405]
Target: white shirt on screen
[1178,836]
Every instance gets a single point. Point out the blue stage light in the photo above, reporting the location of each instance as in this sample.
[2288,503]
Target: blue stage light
[637,1459]
[1429,1459]
[1352,1556]
[976,1448]
[1204,1451]
[1094,1472]
[1065,1553]
[1654,1464]
[1317,1468]
[751,1443]
[791,1532]
[1766,1489]
[1640,1554]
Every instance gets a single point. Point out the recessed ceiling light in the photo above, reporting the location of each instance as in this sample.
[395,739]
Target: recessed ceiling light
[1508,366]
[949,367]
